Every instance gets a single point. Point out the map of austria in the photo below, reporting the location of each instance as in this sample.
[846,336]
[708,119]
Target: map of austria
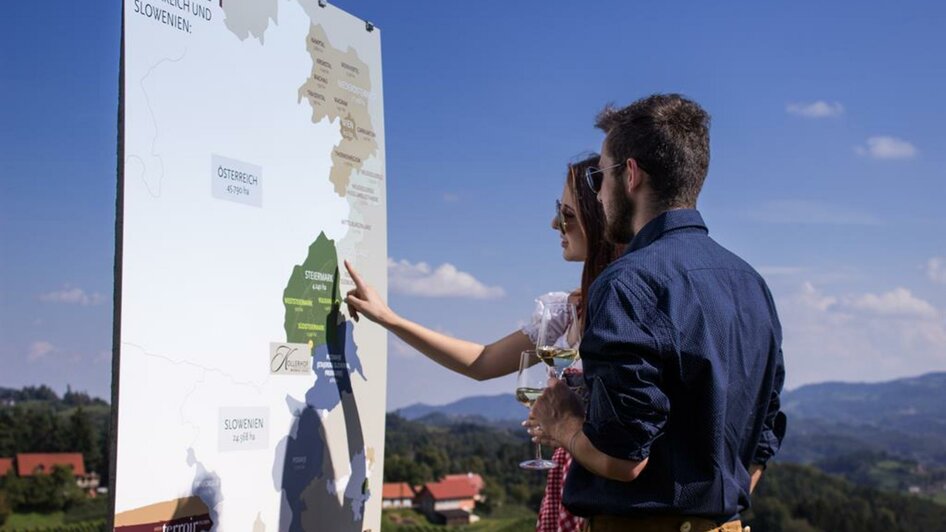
[235,195]
[339,88]
[188,514]
[311,297]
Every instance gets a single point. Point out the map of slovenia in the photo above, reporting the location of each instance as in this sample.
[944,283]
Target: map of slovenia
[339,88]
[308,479]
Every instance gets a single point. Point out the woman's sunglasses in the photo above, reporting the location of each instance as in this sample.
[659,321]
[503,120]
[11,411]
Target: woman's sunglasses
[560,217]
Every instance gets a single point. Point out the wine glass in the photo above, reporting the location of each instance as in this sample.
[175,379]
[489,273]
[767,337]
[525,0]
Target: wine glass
[532,380]
[553,344]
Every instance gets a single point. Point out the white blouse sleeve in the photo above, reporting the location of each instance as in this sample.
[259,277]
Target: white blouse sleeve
[559,320]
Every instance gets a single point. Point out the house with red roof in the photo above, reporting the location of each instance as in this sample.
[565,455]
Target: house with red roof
[30,464]
[33,464]
[397,495]
[475,480]
[451,500]
[6,465]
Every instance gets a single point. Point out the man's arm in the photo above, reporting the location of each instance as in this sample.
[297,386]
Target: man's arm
[755,475]
[774,422]
[623,365]
[557,420]
[602,464]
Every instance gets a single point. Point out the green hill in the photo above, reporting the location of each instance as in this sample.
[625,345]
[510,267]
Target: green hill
[911,406]
[794,498]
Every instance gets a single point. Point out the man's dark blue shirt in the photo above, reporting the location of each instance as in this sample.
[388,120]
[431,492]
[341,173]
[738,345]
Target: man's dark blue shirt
[683,365]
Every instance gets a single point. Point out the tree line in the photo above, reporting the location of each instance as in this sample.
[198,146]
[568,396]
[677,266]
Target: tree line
[37,420]
[790,498]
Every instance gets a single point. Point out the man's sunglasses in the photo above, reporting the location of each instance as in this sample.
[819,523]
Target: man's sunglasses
[594,176]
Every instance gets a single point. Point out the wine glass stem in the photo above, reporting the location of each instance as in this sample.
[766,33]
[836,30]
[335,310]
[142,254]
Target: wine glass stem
[538,452]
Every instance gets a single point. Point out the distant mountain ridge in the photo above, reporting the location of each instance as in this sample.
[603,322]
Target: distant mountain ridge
[880,402]
[914,405]
[903,417]
[492,408]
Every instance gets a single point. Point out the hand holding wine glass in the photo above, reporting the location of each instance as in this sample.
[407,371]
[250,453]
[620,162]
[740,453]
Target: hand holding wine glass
[531,381]
[556,416]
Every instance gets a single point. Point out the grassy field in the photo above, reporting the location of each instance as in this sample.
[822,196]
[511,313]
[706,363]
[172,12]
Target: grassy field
[31,521]
[506,519]
[55,522]
[937,498]
[86,517]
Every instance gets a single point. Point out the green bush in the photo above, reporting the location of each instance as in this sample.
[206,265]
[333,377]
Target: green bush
[87,510]
[43,493]
[5,509]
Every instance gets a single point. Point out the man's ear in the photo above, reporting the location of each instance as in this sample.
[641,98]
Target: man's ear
[633,176]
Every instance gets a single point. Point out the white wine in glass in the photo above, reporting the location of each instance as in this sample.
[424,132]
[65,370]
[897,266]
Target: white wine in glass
[550,349]
[527,396]
[559,359]
[532,380]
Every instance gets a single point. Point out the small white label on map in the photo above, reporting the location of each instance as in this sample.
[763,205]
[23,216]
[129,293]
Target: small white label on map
[290,359]
[243,428]
[236,181]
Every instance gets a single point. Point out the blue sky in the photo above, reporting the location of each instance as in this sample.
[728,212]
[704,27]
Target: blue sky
[827,172]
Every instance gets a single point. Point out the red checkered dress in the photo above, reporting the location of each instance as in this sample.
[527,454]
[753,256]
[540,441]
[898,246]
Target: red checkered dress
[553,517]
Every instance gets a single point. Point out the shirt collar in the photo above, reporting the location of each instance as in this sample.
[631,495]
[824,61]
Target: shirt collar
[666,222]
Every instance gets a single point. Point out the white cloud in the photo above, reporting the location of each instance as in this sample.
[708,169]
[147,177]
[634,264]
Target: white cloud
[936,270]
[818,109]
[898,302]
[883,147]
[73,296]
[812,298]
[811,212]
[858,337]
[444,281]
[40,350]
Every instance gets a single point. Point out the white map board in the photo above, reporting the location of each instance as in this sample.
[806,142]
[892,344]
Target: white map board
[253,165]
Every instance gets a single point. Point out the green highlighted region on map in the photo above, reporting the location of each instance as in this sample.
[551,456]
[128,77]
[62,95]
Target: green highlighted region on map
[311,293]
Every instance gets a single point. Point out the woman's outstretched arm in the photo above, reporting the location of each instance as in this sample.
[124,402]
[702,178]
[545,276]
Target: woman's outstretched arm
[474,360]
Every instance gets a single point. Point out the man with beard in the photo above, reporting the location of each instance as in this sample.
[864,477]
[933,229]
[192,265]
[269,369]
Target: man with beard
[681,351]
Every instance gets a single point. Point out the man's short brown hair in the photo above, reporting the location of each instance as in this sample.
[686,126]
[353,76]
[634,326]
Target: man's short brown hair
[668,136]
